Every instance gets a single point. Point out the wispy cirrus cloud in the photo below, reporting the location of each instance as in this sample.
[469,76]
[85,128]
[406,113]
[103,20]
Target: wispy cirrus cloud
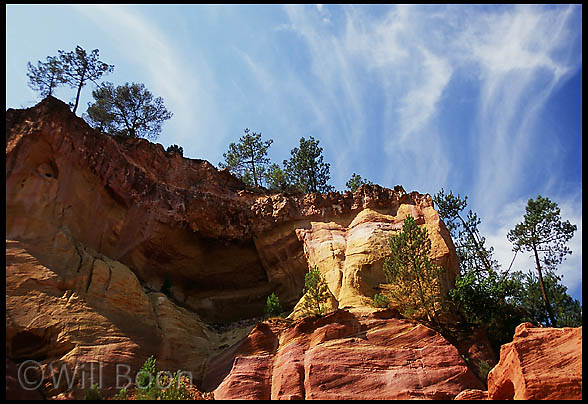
[167,72]
[409,80]
[518,56]
[515,58]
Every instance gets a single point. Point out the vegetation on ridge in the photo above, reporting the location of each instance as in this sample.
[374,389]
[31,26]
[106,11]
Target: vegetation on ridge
[543,233]
[126,110]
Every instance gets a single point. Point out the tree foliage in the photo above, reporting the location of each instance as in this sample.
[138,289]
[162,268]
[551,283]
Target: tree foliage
[79,67]
[276,178]
[469,244]
[490,302]
[416,278]
[483,292]
[248,159]
[174,148]
[567,311]
[497,299]
[46,76]
[272,306]
[93,393]
[154,385]
[127,110]
[381,300]
[355,182]
[543,233]
[306,169]
[316,292]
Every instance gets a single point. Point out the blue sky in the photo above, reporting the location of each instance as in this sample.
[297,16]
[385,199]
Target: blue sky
[482,100]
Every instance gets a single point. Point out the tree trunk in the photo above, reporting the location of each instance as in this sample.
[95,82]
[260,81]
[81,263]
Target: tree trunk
[547,304]
[478,248]
[82,78]
[78,97]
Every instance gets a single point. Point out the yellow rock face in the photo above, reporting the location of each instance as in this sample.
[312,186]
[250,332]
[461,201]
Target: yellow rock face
[351,257]
[83,308]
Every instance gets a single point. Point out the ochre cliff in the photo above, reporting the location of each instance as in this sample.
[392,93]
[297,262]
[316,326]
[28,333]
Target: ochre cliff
[95,224]
[159,213]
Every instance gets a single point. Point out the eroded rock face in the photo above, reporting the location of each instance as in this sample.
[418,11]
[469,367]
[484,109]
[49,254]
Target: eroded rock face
[95,224]
[343,355]
[539,364]
[87,309]
[351,257]
[225,249]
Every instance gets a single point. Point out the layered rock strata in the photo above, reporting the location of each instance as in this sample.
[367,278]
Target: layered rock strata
[365,355]
[94,225]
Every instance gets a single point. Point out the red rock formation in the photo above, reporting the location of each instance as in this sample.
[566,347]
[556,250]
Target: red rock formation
[94,224]
[343,355]
[225,248]
[539,364]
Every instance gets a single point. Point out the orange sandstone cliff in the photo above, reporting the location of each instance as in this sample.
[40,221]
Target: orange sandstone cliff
[95,224]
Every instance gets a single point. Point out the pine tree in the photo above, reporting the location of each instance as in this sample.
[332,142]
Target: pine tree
[355,182]
[46,76]
[79,67]
[414,276]
[272,306]
[543,233]
[248,159]
[306,169]
[276,178]
[316,292]
[127,110]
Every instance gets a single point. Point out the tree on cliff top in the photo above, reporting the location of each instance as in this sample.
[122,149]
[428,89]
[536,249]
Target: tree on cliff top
[306,169]
[174,148]
[248,158]
[276,178]
[414,277]
[543,233]
[355,182]
[79,67]
[127,110]
[46,76]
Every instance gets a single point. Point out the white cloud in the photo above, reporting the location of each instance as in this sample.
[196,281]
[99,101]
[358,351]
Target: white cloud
[411,78]
[514,52]
[420,103]
[167,72]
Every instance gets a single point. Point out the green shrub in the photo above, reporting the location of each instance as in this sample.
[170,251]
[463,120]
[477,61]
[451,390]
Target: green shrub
[415,276]
[123,394]
[272,306]
[175,388]
[93,393]
[381,300]
[316,292]
[146,386]
[174,148]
